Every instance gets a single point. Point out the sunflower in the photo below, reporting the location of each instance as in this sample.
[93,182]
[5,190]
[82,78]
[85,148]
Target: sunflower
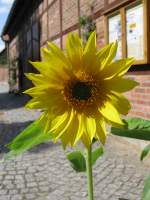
[80,90]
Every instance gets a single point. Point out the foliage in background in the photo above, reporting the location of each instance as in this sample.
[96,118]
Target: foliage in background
[87,25]
[137,128]
[3,58]
[27,139]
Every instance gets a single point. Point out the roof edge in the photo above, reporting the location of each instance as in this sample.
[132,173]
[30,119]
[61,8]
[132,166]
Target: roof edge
[8,20]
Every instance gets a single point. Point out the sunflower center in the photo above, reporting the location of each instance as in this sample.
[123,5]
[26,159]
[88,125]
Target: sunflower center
[81,91]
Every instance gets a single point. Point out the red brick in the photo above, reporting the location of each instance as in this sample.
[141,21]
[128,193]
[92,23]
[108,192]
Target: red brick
[146,84]
[54,19]
[100,31]
[85,7]
[44,35]
[45,4]
[70,13]
[140,90]
[50,1]
[3,74]
[140,96]
[41,8]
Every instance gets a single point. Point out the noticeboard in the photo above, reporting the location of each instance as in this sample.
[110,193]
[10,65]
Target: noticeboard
[114,26]
[135,32]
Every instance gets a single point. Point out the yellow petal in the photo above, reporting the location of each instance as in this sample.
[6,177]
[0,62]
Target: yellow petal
[91,46]
[42,67]
[90,59]
[86,140]
[69,136]
[57,54]
[74,133]
[109,112]
[34,104]
[120,103]
[37,79]
[59,121]
[48,122]
[129,63]
[51,100]
[101,130]
[61,127]
[74,50]
[117,68]
[46,55]
[36,91]
[90,127]
[55,75]
[120,84]
[80,129]
[107,54]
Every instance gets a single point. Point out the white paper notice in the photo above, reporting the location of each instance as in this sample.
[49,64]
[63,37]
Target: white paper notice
[114,25]
[135,32]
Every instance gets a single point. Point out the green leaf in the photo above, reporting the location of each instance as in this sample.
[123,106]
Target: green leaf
[145,151]
[138,123]
[96,154]
[77,161]
[27,139]
[146,191]
[135,128]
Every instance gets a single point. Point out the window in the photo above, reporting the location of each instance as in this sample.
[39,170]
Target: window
[114,25]
[135,32]
[128,26]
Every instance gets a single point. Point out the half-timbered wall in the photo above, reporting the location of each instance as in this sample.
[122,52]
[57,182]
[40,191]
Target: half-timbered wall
[54,19]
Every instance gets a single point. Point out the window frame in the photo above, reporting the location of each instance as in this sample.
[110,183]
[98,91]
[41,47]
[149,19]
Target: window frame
[122,12]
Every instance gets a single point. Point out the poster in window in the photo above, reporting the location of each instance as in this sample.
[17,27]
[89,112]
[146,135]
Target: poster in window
[135,32]
[114,24]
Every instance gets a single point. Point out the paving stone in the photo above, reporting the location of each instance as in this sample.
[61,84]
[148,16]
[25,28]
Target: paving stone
[45,174]
[5,197]
[12,192]
[31,184]
[16,197]
[3,191]
[44,188]
[9,177]
[30,196]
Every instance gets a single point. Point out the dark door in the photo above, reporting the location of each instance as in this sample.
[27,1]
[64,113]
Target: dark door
[29,51]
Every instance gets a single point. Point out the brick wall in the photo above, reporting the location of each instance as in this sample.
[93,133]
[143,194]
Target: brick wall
[3,74]
[100,31]
[70,13]
[140,96]
[54,19]
[13,51]
[56,30]
[44,28]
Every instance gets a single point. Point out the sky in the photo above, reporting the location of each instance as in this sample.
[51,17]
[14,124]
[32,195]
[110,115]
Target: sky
[5,6]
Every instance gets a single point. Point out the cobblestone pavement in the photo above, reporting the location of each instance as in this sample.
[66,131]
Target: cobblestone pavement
[44,173]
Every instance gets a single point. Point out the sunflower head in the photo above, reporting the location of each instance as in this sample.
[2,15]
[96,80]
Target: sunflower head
[80,90]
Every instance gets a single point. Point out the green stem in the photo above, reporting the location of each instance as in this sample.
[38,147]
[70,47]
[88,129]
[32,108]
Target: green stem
[89,173]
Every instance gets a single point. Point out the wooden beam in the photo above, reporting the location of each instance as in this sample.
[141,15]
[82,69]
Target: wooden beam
[61,24]
[47,21]
[123,30]
[79,14]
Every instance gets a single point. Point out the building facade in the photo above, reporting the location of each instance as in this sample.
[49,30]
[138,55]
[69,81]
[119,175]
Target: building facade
[31,24]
